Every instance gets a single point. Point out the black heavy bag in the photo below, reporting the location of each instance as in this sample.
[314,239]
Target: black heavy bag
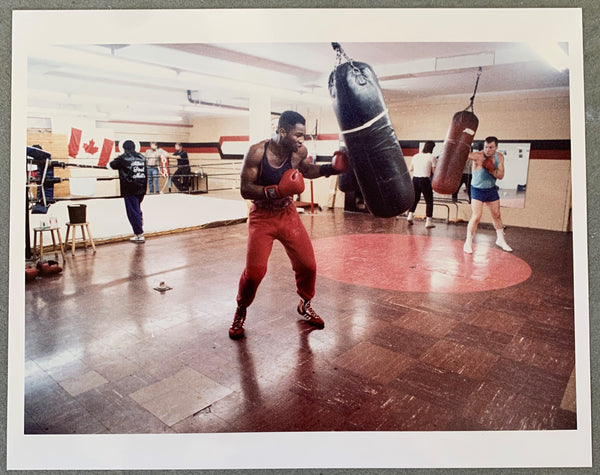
[457,145]
[373,149]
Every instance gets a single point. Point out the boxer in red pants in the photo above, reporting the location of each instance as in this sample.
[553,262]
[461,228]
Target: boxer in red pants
[272,173]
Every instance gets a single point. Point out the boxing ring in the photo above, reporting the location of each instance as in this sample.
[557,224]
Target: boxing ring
[163,214]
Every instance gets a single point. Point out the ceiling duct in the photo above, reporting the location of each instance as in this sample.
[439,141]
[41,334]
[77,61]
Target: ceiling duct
[219,105]
[213,104]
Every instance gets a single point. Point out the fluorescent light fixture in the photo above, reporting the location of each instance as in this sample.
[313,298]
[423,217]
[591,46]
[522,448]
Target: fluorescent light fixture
[200,64]
[553,54]
[99,62]
[49,112]
[145,117]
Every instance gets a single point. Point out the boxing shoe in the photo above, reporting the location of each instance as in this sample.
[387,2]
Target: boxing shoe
[468,247]
[237,327]
[410,218]
[48,267]
[502,243]
[138,238]
[429,223]
[309,314]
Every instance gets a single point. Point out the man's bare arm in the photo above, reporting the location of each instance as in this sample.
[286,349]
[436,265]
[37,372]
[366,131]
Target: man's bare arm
[249,174]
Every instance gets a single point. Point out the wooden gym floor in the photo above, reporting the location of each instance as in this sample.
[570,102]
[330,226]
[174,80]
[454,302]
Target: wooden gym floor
[418,335]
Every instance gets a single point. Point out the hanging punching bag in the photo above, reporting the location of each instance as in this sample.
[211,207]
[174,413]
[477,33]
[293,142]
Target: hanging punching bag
[373,148]
[457,145]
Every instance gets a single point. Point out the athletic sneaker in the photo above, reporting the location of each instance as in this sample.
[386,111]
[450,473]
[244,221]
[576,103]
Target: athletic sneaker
[138,238]
[237,327]
[467,247]
[309,314]
[503,245]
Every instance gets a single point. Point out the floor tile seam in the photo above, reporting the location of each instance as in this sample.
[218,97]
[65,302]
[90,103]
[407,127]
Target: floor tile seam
[123,418]
[391,347]
[470,372]
[457,405]
[420,401]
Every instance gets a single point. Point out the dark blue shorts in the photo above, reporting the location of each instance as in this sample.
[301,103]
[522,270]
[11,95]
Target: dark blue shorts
[484,194]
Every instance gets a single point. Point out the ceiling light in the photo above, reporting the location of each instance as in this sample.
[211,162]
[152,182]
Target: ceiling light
[146,117]
[49,112]
[100,62]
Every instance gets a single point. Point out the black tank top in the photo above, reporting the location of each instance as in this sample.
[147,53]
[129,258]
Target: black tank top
[270,175]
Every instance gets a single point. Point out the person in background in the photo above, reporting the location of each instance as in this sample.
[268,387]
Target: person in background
[488,166]
[181,177]
[466,180]
[422,167]
[133,179]
[152,163]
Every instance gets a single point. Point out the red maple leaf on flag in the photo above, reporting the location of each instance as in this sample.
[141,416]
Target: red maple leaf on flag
[90,147]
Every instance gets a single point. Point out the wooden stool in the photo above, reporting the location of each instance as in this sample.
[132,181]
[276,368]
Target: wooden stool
[84,227]
[55,237]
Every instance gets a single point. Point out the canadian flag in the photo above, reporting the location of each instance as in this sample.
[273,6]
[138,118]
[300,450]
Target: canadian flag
[87,145]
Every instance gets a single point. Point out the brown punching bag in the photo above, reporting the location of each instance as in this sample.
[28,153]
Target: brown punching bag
[452,161]
[449,169]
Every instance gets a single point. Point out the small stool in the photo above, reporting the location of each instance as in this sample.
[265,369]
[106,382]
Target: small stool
[84,227]
[55,233]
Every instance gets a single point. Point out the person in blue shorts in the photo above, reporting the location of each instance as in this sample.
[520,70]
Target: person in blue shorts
[488,166]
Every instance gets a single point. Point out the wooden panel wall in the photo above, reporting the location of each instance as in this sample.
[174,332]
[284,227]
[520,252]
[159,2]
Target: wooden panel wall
[57,146]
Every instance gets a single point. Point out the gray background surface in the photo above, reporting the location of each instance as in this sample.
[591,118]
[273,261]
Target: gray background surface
[591,41]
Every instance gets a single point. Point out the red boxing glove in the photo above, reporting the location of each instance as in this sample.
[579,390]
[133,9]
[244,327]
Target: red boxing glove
[340,162]
[489,165]
[291,183]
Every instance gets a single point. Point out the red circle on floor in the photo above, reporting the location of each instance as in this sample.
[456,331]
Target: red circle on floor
[417,263]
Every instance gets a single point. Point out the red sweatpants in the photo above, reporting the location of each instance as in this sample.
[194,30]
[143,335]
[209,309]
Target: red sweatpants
[266,225]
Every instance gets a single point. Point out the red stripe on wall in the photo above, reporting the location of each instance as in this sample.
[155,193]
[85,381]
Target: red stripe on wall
[550,155]
[409,152]
[234,138]
[328,136]
[201,149]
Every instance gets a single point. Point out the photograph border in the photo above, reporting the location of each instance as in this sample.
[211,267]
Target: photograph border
[580,197]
